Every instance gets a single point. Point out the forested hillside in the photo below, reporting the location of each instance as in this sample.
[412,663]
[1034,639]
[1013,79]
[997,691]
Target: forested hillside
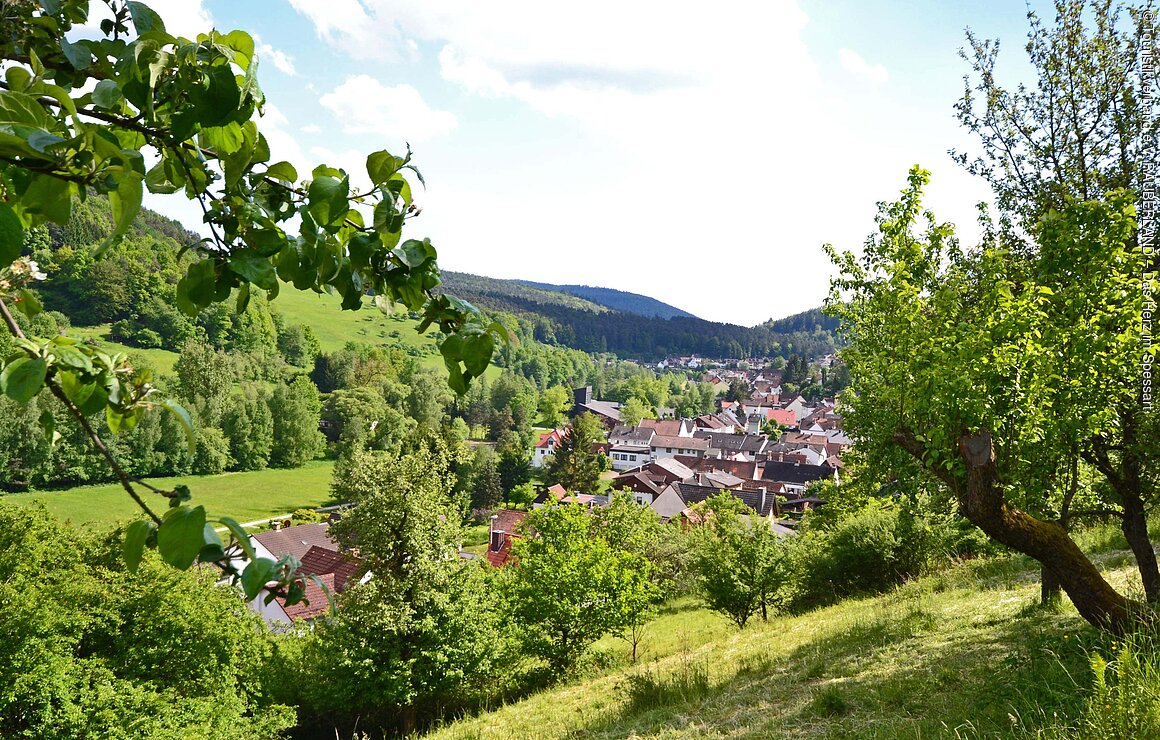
[560,318]
[618,300]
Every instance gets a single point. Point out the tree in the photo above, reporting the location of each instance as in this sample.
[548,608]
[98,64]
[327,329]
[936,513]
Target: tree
[514,464]
[298,345]
[486,486]
[554,403]
[204,379]
[434,621]
[248,423]
[738,390]
[570,586]
[632,411]
[964,367]
[575,465]
[78,115]
[297,409]
[1080,131]
[739,561]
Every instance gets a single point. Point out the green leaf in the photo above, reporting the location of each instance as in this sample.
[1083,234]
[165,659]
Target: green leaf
[254,268]
[184,419]
[133,548]
[126,202]
[181,536]
[256,575]
[107,95]
[413,253]
[327,199]
[144,18]
[78,56]
[11,235]
[214,549]
[282,171]
[23,378]
[381,165]
[239,533]
[48,424]
[27,303]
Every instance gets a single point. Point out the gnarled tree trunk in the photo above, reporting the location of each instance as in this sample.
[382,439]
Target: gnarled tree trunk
[982,502]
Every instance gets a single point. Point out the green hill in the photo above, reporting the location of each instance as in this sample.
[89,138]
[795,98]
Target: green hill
[964,653]
[618,300]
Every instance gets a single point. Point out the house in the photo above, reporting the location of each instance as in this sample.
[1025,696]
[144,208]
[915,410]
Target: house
[546,446]
[583,403]
[649,481]
[680,496]
[747,446]
[669,427]
[505,529]
[336,572]
[552,495]
[629,446]
[795,475]
[663,446]
[319,556]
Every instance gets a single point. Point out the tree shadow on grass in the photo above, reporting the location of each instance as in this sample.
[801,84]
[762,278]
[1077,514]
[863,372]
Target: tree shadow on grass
[892,672]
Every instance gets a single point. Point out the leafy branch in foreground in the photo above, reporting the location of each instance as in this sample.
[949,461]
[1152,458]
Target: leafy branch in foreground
[80,116]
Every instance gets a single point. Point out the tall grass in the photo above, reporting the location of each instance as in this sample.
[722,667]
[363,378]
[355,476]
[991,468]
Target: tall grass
[652,688]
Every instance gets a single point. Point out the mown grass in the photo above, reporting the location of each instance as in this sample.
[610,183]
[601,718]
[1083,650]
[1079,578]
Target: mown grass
[162,360]
[244,496]
[966,653]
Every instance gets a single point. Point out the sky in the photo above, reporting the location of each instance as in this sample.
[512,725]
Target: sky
[697,153]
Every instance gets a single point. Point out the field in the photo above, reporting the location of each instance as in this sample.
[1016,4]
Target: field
[966,653]
[333,327]
[243,496]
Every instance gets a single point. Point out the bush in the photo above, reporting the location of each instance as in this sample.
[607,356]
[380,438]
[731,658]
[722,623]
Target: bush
[871,550]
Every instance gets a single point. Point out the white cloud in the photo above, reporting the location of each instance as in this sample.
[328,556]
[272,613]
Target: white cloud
[363,105]
[185,18]
[683,138]
[282,61]
[853,63]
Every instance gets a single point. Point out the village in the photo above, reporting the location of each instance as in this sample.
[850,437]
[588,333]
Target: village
[765,451]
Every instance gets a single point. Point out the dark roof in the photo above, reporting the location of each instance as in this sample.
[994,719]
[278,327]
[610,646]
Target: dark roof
[747,470]
[684,443]
[627,435]
[734,442]
[296,540]
[799,473]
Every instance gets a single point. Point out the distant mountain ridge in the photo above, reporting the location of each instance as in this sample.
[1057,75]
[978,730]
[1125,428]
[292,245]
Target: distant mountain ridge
[618,300]
[584,323]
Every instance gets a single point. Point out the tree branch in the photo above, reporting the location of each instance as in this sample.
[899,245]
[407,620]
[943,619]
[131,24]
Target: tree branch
[123,477]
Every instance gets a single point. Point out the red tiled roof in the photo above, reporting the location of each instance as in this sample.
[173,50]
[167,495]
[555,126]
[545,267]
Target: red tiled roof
[508,520]
[296,540]
[334,569]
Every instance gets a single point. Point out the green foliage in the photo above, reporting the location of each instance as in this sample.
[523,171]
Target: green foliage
[571,585]
[88,650]
[433,617]
[739,561]
[1125,698]
[574,465]
[248,424]
[633,410]
[212,454]
[297,409]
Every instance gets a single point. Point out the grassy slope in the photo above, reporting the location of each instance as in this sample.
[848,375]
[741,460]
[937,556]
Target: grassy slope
[243,496]
[961,654]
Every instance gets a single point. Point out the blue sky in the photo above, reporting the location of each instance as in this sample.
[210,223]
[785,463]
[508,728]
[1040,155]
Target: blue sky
[698,153]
